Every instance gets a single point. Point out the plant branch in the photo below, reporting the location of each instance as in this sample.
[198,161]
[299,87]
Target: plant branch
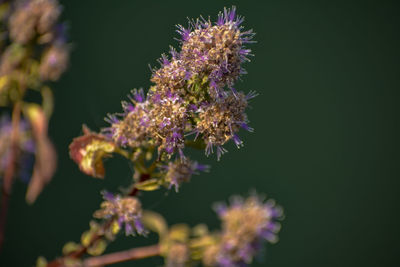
[80,252]
[127,255]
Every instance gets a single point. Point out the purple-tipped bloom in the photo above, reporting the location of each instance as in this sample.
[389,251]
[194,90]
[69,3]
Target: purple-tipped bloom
[180,171]
[216,51]
[212,52]
[137,96]
[169,118]
[192,93]
[245,224]
[220,121]
[127,212]
[131,127]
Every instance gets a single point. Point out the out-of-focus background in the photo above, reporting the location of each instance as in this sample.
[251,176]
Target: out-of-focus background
[326,128]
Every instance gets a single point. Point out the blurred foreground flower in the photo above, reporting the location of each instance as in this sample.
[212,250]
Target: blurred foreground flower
[33,52]
[246,223]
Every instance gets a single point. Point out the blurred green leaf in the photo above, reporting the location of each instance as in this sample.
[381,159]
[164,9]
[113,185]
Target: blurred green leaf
[97,248]
[155,223]
[149,185]
[41,262]
[70,247]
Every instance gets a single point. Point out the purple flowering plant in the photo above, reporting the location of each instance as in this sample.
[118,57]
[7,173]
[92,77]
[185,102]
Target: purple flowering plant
[192,104]
[33,54]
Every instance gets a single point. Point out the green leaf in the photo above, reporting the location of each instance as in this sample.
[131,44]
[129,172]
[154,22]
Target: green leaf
[115,228]
[155,223]
[70,247]
[149,185]
[97,248]
[86,238]
[41,262]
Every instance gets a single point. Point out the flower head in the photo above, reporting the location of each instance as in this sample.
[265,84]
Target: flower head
[189,95]
[54,62]
[127,211]
[132,129]
[221,120]
[216,51]
[172,76]
[33,17]
[180,171]
[245,224]
[169,120]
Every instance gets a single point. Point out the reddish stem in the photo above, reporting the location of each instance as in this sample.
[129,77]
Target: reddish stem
[127,255]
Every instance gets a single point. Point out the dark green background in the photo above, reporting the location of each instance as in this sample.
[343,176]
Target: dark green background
[325,145]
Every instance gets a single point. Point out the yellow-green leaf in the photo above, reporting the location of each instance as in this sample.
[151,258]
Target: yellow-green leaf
[115,228]
[149,185]
[41,262]
[97,248]
[86,238]
[155,223]
[70,247]
[89,150]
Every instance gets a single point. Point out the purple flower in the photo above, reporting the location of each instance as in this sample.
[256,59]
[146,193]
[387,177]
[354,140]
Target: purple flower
[126,211]
[180,171]
[131,127]
[245,224]
[220,121]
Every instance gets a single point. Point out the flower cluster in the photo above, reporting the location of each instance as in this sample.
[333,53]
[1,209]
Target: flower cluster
[33,52]
[189,93]
[245,224]
[34,17]
[126,211]
[26,151]
[35,46]
[192,94]
[179,171]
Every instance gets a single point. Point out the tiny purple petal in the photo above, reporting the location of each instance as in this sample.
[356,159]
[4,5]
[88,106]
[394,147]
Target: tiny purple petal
[139,226]
[246,127]
[128,229]
[237,140]
[108,196]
